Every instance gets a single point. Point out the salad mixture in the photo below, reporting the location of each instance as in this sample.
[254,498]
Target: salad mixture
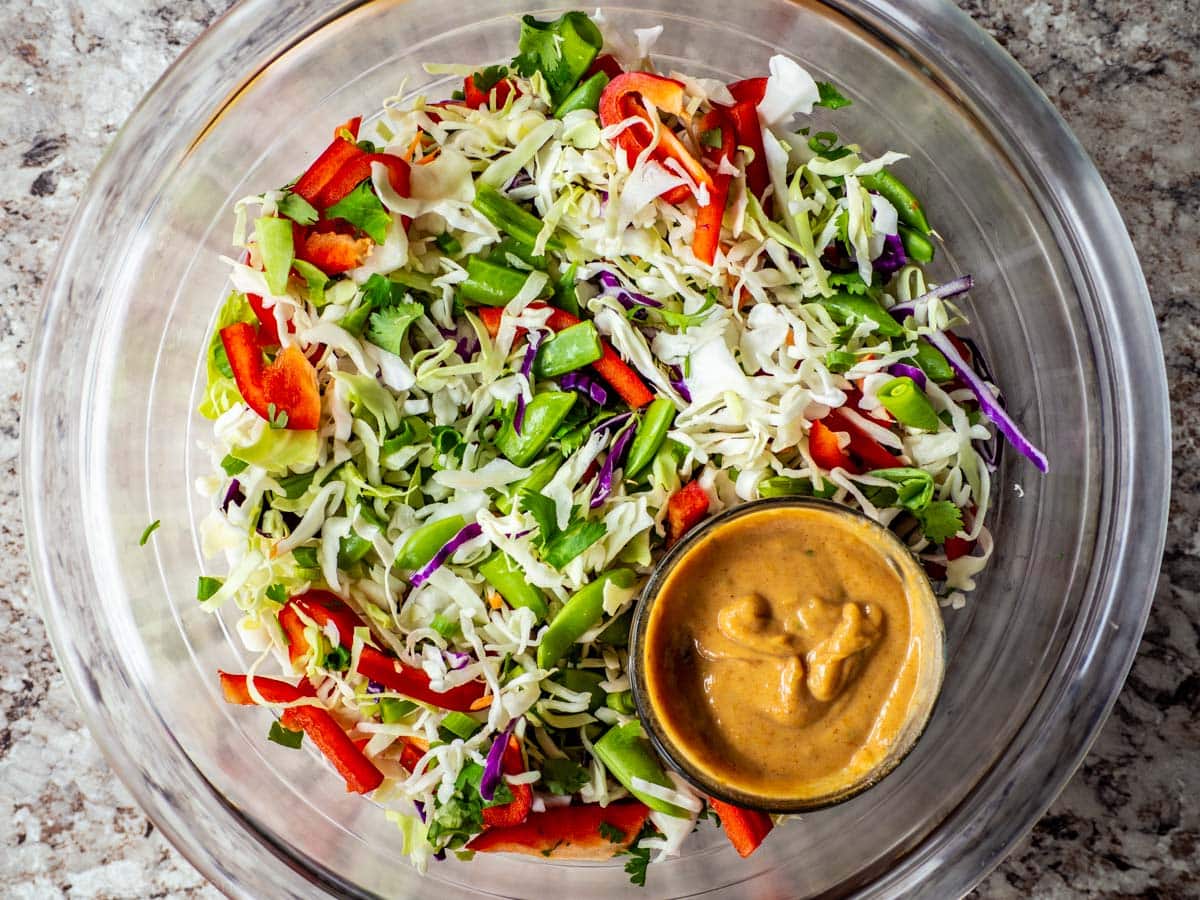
[487,357]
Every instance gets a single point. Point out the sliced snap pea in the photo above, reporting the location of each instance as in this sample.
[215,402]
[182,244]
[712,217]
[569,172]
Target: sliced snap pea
[538,477]
[570,349]
[510,217]
[543,414]
[581,612]
[584,681]
[616,633]
[846,308]
[622,702]
[585,96]
[351,549]
[782,486]
[414,281]
[627,755]
[426,541]
[512,247]
[931,361]
[916,246]
[503,574]
[565,297]
[651,432]
[489,284]
[394,710]
[908,403]
[896,192]
[458,724]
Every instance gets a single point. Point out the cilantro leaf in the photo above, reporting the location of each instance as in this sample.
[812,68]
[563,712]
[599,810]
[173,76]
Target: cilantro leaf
[277,593]
[830,96]
[296,208]
[487,78]
[569,544]
[850,282]
[565,777]
[561,50]
[389,326]
[940,520]
[337,660]
[362,209]
[636,866]
[611,832]
[285,737]
[542,509]
[377,292]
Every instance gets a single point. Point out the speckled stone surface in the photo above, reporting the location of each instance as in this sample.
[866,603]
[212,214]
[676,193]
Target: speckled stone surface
[1124,74]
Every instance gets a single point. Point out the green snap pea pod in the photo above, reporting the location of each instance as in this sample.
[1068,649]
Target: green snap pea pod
[393,710]
[850,308]
[783,486]
[543,414]
[503,574]
[512,247]
[565,296]
[584,681]
[627,755]
[908,403]
[539,476]
[651,432]
[585,96]
[931,361]
[622,702]
[896,192]
[616,633]
[570,349]
[414,281]
[581,612]
[489,284]
[916,245]
[351,549]
[427,540]
[448,243]
[458,724]
[510,217]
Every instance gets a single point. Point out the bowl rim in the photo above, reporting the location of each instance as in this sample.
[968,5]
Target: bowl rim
[1131,535]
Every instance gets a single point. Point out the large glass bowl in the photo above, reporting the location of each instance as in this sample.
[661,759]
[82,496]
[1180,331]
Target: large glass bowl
[1034,662]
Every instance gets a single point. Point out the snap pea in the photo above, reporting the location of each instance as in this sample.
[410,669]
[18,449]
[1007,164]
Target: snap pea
[510,217]
[414,281]
[627,755]
[565,297]
[584,681]
[580,613]
[616,633]
[507,247]
[351,549]
[782,486]
[931,361]
[916,245]
[489,284]
[305,557]
[458,724]
[846,308]
[503,574]
[622,702]
[908,403]
[445,626]
[394,710]
[448,243]
[427,540]
[538,477]
[896,192]
[650,434]
[543,414]
[570,349]
[585,96]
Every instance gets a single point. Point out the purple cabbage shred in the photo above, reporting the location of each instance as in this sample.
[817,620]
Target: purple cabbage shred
[616,451]
[465,534]
[893,258]
[901,370]
[492,769]
[584,384]
[233,496]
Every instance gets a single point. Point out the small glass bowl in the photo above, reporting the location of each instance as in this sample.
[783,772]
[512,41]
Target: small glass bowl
[929,678]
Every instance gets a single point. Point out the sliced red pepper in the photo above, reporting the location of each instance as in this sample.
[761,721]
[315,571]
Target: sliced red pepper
[325,166]
[749,90]
[350,126]
[708,219]
[358,169]
[360,773]
[413,682]
[517,810]
[410,754]
[624,380]
[293,629]
[568,832]
[323,608]
[826,451]
[685,508]
[957,547]
[286,386]
[749,134]
[606,63]
[745,828]
[270,689]
[476,98]
[268,329]
[334,253]
[873,454]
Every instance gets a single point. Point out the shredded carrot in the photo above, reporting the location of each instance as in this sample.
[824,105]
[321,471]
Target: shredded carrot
[420,743]
[426,160]
[412,148]
[482,703]
[495,601]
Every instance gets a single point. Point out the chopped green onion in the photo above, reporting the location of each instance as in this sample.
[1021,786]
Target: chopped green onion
[285,737]
[150,529]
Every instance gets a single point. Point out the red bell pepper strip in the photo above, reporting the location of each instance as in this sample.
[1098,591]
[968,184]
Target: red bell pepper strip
[873,454]
[517,810]
[619,101]
[286,386]
[685,508]
[293,629]
[745,828]
[333,253]
[352,764]
[606,63]
[323,608]
[410,755]
[749,90]
[270,689]
[568,832]
[476,98]
[413,682]
[749,134]
[356,170]
[957,547]
[323,169]
[826,451]
[350,126]
[624,380]
[268,329]
[708,218]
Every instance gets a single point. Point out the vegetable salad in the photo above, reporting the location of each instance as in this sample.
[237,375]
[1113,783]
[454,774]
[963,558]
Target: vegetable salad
[487,357]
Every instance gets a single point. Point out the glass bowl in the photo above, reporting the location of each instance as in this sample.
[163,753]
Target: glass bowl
[1034,661]
[649,632]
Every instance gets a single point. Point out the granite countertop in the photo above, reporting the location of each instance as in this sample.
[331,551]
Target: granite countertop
[1123,74]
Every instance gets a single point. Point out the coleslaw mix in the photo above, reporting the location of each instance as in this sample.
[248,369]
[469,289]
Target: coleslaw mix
[488,356]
